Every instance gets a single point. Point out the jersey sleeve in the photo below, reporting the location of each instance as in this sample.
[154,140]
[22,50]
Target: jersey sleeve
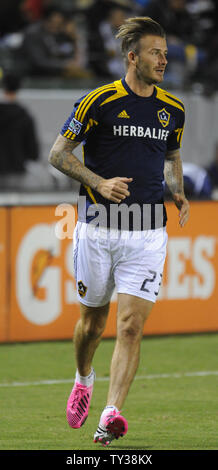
[174,140]
[82,120]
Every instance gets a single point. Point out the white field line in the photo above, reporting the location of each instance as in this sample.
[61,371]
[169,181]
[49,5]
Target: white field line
[106,379]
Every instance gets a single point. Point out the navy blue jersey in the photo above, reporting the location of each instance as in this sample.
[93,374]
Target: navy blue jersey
[124,134]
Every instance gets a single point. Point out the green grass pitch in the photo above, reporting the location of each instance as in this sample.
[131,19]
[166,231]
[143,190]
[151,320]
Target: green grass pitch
[172,404]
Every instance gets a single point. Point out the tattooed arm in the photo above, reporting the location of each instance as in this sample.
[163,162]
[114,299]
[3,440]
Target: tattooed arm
[174,179]
[61,157]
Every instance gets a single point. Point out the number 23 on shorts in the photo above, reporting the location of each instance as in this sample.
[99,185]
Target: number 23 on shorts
[147,283]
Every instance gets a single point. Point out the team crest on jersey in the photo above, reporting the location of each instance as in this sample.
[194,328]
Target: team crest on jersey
[82,289]
[164,117]
[75,126]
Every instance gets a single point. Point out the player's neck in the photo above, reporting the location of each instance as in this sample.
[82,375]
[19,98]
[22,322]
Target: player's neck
[138,87]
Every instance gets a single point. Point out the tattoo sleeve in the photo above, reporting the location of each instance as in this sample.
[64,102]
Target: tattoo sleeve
[61,157]
[173,172]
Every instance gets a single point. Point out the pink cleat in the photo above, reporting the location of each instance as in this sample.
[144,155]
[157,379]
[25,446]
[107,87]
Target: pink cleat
[78,405]
[112,425]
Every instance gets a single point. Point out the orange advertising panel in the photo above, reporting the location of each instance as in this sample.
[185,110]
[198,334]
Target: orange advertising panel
[188,300]
[43,295]
[4,288]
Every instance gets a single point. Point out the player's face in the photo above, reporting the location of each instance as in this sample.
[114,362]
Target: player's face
[151,60]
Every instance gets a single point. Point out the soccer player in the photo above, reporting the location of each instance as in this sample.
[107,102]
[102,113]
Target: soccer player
[131,131]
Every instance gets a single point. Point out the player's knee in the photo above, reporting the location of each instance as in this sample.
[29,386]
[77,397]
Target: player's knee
[92,329]
[130,327]
[93,321]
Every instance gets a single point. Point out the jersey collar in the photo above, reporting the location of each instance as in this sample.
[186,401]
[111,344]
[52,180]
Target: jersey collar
[137,96]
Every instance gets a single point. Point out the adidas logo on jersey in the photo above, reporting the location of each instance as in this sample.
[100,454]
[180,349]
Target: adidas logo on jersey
[123,114]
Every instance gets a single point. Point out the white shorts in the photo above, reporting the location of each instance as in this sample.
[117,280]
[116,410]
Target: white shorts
[106,258]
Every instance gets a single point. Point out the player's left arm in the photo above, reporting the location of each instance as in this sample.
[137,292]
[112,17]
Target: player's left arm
[173,175]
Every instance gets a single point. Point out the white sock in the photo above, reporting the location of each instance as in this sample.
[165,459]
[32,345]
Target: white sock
[109,408]
[88,380]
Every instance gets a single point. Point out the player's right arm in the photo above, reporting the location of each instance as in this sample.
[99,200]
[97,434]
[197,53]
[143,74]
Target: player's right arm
[62,158]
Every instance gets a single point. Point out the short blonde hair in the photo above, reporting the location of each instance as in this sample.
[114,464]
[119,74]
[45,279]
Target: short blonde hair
[131,31]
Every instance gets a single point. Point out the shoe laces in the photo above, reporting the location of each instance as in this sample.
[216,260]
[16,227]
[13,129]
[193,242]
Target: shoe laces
[78,392]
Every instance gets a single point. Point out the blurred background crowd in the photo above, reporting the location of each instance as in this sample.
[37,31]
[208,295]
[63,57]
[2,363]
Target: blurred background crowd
[75,38]
[70,44]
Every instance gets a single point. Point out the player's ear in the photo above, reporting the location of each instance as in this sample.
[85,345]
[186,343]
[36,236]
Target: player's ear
[132,57]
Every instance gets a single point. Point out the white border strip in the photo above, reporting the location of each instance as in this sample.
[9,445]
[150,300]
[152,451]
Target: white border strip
[106,379]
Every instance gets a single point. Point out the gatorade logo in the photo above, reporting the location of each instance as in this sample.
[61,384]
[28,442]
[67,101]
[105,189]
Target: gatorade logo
[40,262]
[44,272]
